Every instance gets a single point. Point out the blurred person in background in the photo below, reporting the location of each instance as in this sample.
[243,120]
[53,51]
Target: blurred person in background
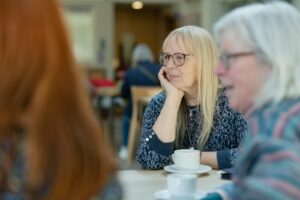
[51,145]
[260,67]
[143,72]
[192,111]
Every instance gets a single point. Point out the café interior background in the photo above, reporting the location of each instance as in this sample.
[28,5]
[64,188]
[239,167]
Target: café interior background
[104,32]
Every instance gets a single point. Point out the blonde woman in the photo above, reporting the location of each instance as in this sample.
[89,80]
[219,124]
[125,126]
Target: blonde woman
[192,111]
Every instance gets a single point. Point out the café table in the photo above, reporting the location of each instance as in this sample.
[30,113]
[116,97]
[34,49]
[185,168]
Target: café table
[142,184]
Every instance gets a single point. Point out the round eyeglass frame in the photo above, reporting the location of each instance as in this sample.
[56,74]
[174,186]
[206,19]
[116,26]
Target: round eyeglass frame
[162,62]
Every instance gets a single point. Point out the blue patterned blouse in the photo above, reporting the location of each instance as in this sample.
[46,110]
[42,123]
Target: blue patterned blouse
[228,131]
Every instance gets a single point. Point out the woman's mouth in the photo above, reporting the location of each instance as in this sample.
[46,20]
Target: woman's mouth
[229,87]
[173,76]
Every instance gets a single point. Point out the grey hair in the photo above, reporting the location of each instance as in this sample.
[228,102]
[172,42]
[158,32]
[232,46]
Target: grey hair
[272,30]
[141,52]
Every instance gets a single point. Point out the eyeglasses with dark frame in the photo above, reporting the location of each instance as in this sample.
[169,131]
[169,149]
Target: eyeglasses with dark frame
[226,57]
[178,58]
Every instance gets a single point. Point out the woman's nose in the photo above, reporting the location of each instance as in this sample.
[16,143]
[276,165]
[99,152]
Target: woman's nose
[171,63]
[220,69]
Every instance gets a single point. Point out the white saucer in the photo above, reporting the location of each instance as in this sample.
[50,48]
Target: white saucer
[200,170]
[165,195]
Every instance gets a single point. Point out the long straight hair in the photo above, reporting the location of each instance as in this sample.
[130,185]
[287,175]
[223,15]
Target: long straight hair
[205,52]
[40,82]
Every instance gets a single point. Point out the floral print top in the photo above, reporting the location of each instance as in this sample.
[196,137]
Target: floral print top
[229,128]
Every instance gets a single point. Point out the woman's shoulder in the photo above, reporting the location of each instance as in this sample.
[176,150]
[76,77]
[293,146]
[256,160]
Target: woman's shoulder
[287,107]
[112,190]
[223,108]
[159,97]
[278,118]
[222,100]
[12,164]
[157,101]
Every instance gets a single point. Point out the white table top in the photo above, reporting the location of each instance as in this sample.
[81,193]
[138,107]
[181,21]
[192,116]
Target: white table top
[142,184]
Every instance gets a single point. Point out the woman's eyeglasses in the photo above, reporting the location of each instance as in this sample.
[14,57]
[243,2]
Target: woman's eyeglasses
[227,57]
[178,58]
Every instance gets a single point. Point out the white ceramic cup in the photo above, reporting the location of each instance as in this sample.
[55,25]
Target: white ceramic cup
[182,186]
[186,159]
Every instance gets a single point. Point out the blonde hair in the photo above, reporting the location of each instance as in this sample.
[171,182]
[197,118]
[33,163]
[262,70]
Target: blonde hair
[205,52]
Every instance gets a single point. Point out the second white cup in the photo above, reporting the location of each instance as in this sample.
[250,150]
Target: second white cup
[182,186]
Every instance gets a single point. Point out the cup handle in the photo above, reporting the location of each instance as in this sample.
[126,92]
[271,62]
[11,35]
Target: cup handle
[173,157]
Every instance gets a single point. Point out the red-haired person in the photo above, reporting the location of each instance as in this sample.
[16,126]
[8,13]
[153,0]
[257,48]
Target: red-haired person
[51,145]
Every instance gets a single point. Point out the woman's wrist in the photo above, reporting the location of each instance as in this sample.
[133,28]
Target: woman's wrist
[209,158]
[173,100]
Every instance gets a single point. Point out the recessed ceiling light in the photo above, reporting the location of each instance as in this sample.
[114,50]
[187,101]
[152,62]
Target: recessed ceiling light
[137,5]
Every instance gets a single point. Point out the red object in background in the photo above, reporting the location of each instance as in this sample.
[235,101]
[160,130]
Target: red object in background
[120,72]
[102,83]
